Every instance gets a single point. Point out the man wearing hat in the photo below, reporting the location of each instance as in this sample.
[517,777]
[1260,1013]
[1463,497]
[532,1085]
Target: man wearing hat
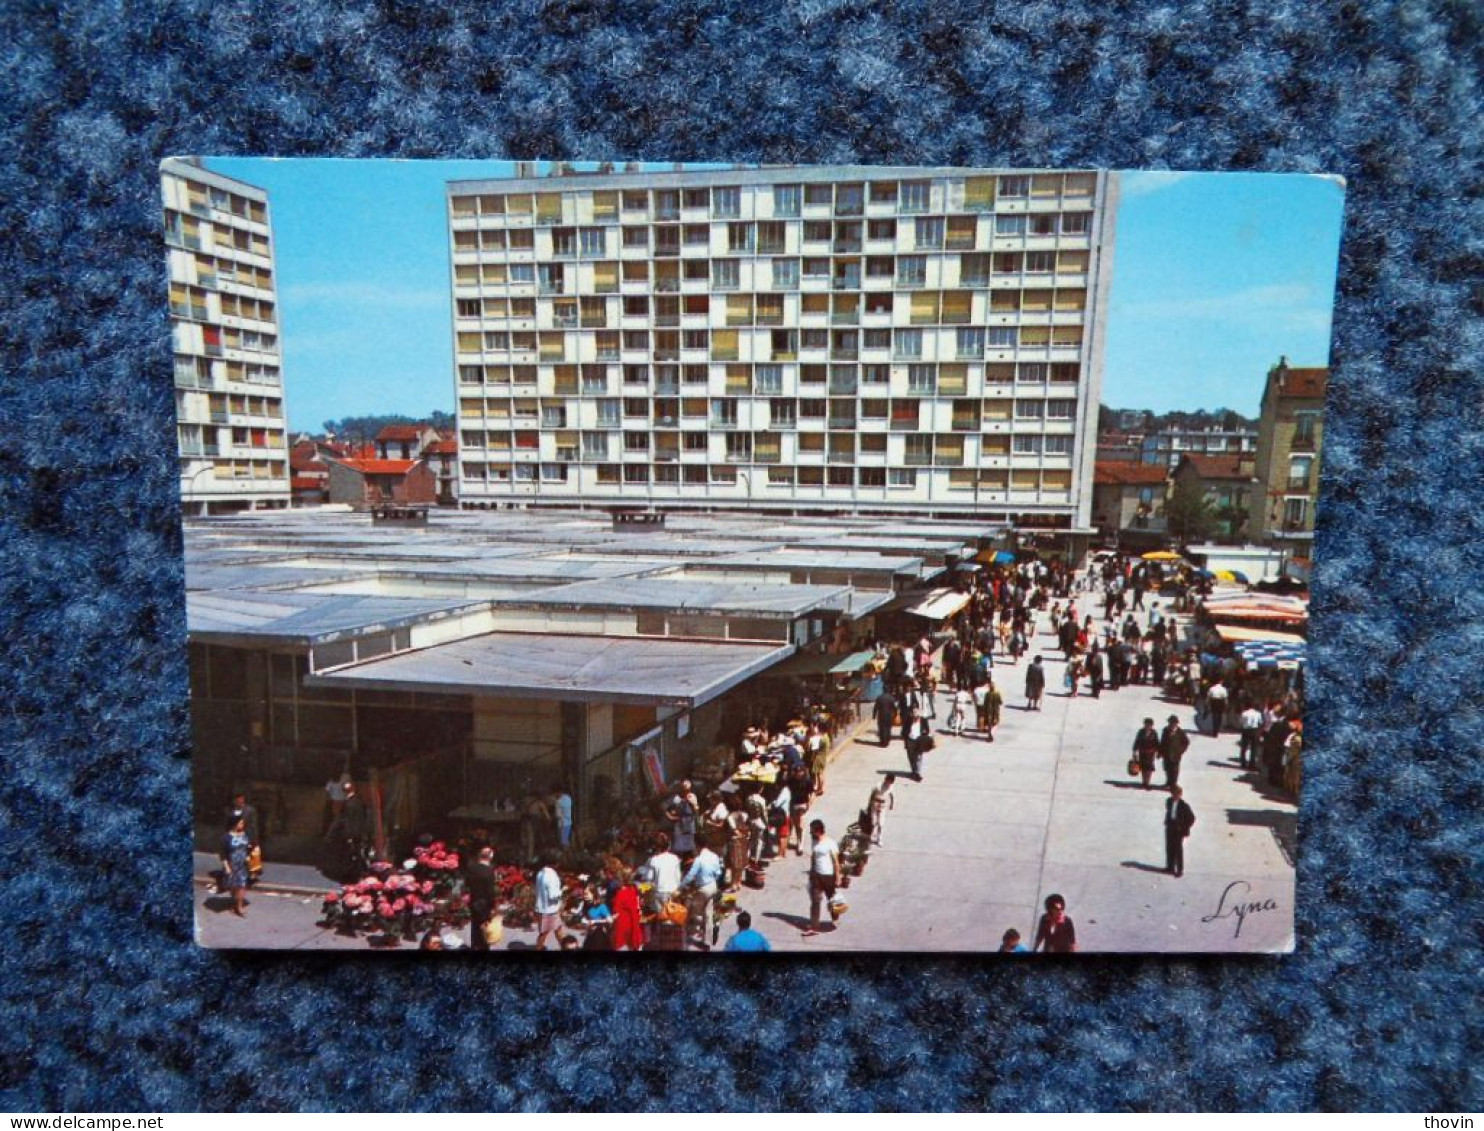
[1173,744]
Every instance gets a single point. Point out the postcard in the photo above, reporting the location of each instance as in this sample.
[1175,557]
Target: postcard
[747,558]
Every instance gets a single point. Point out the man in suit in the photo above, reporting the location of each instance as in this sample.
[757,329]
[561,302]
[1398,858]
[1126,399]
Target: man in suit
[1179,818]
[479,879]
[1173,744]
[885,712]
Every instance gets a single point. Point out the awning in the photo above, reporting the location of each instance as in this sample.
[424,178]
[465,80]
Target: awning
[1271,653]
[814,663]
[940,604]
[1232,634]
[995,557]
[1161,556]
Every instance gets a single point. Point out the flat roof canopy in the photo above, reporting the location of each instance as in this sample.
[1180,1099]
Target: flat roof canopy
[257,618]
[751,599]
[580,669]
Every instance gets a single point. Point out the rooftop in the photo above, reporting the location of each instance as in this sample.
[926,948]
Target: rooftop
[1128,474]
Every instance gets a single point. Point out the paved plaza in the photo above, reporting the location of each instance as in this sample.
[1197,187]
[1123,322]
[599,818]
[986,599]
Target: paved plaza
[990,831]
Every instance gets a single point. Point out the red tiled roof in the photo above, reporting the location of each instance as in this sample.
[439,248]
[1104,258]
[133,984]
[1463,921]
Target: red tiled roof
[442,448]
[1110,472]
[307,483]
[1305,383]
[380,466]
[400,432]
[1219,466]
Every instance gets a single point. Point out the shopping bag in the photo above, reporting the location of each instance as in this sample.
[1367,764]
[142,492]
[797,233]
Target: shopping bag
[1133,767]
[838,907]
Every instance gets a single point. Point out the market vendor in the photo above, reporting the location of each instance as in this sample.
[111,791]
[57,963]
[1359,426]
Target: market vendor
[752,742]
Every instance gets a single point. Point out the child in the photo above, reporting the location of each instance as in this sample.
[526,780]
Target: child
[882,799]
[957,717]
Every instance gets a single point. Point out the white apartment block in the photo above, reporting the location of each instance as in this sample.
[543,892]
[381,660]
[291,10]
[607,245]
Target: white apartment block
[228,382]
[841,338]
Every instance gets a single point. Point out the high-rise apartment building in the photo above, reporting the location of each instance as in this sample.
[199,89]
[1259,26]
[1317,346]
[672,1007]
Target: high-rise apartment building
[1290,432]
[230,426]
[850,338]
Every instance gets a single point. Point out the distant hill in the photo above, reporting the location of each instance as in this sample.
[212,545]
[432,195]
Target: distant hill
[1142,420]
[366,427]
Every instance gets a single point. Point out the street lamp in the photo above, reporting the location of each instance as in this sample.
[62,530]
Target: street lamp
[191,483]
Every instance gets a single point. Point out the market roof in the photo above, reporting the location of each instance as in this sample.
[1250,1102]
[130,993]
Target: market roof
[590,669]
[940,604]
[1233,633]
[849,561]
[818,663]
[267,576]
[255,617]
[1111,472]
[750,599]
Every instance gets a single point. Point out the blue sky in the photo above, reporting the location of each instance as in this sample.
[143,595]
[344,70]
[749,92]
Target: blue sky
[1215,276]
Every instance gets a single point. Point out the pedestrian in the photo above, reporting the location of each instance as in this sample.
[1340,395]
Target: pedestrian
[1010,943]
[479,883]
[1035,685]
[628,926]
[683,813]
[535,818]
[1250,722]
[882,799]
[1173,744]
[988,702]
[561,815]
[1179,819]
[801,792]
[913,736]
[549,904]
[885,713]
[241,808]
[703,881]
[1146,747]
[1096,667]
[1055,934]
[824,872]
[959,715]
[818,746]
[236,846]
[1216,699]
[746,940]
[664,870]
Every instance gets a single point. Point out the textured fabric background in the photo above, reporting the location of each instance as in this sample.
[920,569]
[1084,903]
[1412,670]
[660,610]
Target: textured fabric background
[108,1005]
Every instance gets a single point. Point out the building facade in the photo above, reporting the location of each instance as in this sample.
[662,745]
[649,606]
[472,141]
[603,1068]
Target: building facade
[366,483]
[1167,446]
[833,338]
[1290,433]
[1129,496]
[230,427]
[1228,484]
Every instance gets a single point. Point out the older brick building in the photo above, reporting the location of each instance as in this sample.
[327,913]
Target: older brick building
[365,483]
[1290,433]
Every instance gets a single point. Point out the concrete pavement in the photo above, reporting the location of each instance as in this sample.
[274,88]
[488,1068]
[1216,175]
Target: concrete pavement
[994,828]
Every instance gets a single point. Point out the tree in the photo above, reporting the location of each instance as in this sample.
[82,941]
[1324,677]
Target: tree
[1188,513]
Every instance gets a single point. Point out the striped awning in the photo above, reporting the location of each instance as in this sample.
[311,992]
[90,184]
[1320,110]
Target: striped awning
[940,605]
[1270,653]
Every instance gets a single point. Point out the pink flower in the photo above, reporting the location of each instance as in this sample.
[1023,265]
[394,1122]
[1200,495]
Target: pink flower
[400,906]
[427,887]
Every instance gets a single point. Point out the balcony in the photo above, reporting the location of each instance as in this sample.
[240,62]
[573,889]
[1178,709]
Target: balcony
[666,285]
[723,423]
[843,388]
[844,353]
[917,460]
[847,247]
[850,282]
[841,457]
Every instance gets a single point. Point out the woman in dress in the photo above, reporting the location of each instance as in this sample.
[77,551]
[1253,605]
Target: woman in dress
[235,849]
[627,932]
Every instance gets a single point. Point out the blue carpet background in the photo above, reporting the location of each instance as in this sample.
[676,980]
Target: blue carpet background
[107,1004]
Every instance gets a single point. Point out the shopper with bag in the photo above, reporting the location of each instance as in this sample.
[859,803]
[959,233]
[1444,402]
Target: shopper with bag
[824,872]
[1146,749]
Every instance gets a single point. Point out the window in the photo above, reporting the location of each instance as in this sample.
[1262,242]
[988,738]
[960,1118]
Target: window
[912,271]
[929,232]
[553,473]
[636,442]
[908,343]
[1031,372]
[1029,410]
[1303,429]
[726,202]
[875,374]
[767,379]
[878,340]
[971,342]
[1294,513]
[695,235]
[1074,223]
[696,442]
[882,230]
[608,412]
[1058,445]
[1002,337]
[819,194]
[817,231]
[901,477]
[873,408]
[740,237]
[1027,445]
[1300,470]
[593,243]
[1061,410]
[636,473]
[1014,186]
[883,192]
[724,274]
[921,380]
[1043,224]
[785,200]
[849,200]
[817,268]
[1039,262]
[785,274]
[522,272]
[879,267]
[915,196]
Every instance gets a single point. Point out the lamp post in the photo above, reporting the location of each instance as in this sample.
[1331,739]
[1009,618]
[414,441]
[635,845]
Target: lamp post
[191,483]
